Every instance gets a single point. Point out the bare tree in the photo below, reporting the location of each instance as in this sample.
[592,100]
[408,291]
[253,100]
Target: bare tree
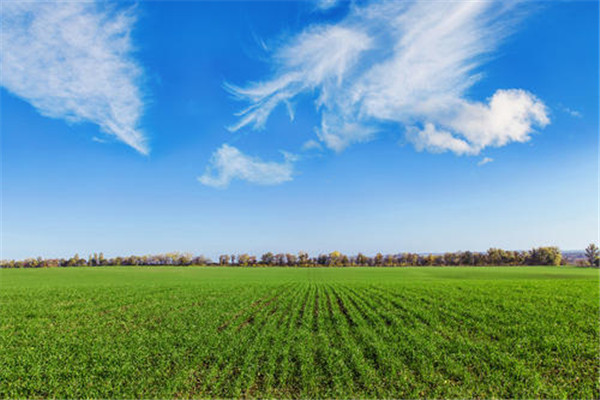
[593,255]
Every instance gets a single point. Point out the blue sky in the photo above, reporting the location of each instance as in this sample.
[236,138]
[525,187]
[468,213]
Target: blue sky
[215,127]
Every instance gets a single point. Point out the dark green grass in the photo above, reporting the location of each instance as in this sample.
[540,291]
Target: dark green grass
[300,333]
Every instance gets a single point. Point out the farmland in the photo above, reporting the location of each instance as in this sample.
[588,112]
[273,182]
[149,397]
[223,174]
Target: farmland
[156,332]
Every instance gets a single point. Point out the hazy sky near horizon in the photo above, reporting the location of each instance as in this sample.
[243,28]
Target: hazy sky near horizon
[230,127]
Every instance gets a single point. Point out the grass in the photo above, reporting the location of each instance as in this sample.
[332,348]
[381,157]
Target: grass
[525,332]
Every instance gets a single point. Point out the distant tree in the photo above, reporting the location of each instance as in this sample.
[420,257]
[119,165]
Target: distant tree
[303,258]
[73,261]
[448,258]
[544,256]
[495,256]
[536,256]
[291,259]
[553,256]
[345,261]
[201,260]
[243,259]
[429,260]
[322,259]
[511,257]
[335,258]
[223,259]
[412,259]
[389,260]
[184,259]
[361,259]
[267,258]
[593,255]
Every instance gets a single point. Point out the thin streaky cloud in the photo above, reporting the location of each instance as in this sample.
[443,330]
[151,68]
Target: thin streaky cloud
[485,160]
[98,140]
[573,113]
[311,145]
[327,4]
[405,63]
[74,61]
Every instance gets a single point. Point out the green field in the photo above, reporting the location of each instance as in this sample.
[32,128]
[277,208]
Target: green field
[491,332]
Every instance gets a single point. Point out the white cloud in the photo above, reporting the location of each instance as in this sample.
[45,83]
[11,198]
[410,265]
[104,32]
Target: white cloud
[98,140]
[73,60]
[437,141]
[404,63]
[228,163]
[311,145]
[509,116]
[485,160]
[326,4]
[572,113]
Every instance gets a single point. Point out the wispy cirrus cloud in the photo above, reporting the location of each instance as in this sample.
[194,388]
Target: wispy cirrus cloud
[74,61]
[228,163]
[408,64]
[317,59]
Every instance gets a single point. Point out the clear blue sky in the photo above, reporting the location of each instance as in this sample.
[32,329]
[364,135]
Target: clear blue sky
[220,127]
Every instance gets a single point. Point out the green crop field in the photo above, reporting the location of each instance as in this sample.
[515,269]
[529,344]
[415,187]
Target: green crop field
[145,332]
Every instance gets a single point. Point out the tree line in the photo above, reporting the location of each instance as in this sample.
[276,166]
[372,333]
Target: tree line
[494,256]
